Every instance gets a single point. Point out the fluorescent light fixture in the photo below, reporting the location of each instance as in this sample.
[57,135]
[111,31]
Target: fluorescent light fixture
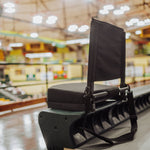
[38,55]
[128,34]
[0,43]
[108,7]
[37,19]
[141,23]
[118,12]
[15,44]
[138,32]
[83,28]
[51,20]
[34,35]
[134,20]
[128,23]
[125,8]
[9,5]
[76,41]
[103,12]
[9,10]
[72,28]
[84,41]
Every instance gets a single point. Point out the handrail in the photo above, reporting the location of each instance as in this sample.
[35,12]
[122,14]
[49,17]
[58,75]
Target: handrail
[21,104]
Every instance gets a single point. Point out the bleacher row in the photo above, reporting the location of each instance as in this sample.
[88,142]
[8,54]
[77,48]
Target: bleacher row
[12,94]
[4,99]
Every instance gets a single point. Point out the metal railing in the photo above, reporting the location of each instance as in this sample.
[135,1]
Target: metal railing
[82,69]
[7,67]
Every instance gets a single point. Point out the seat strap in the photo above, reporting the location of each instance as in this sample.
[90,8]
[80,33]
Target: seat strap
[123,138]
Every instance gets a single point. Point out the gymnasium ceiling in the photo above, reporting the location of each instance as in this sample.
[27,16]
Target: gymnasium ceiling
[68,12]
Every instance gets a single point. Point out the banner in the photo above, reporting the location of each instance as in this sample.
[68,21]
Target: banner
[57,43]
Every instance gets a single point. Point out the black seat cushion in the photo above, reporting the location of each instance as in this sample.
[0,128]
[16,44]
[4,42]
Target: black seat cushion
[70,96]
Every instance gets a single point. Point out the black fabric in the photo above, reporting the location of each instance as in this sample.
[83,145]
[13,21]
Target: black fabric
[70,96]
[106,53]
[66,106]
[123,138]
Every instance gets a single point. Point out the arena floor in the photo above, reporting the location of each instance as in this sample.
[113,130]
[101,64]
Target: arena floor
[20,131]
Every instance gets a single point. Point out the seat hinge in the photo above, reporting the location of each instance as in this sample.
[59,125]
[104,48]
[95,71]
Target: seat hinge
[89,100]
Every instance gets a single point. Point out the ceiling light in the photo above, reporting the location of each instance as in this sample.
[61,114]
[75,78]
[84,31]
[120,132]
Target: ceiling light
[9,10]
[138,32]
[37,19]
[118,12]
[9,5]
[125,8]
[0,43]
[134,20]
[83,28]
[141,23]
[128,23]
[72,28]
[51,20]
[104,12]
[108,7]
[34,35]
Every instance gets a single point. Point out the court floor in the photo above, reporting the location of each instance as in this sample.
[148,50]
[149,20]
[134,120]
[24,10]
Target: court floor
[20,131]
[142,137]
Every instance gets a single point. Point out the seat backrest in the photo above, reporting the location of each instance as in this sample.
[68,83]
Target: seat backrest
[106,53]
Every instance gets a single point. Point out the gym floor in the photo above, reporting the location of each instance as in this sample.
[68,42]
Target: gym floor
[20,131]
[141,141]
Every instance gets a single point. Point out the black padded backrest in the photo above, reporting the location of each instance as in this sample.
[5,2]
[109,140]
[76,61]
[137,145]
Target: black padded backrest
[106,52]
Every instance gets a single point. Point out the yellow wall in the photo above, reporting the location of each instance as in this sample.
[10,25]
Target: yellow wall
[11,71]
[140,60]
[74,71]
[1,56]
